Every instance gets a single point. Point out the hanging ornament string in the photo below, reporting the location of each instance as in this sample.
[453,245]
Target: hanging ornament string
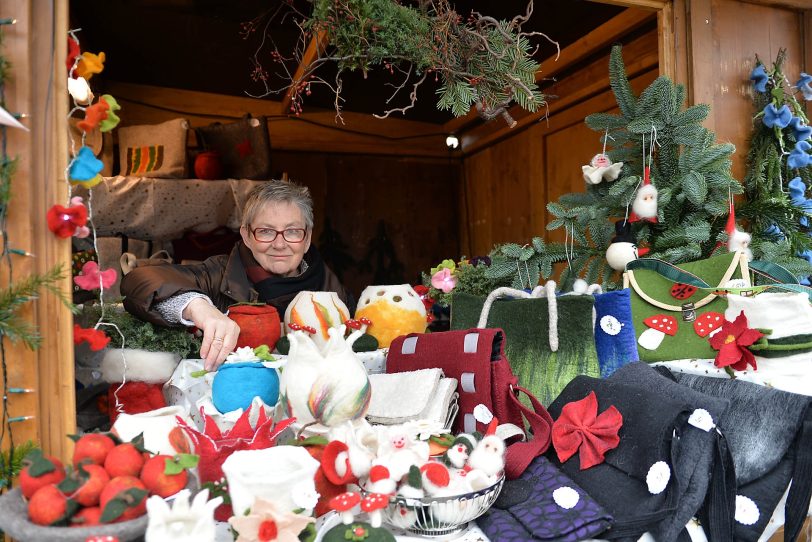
[605,138]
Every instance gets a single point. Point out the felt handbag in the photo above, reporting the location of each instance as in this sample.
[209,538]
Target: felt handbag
[633,474]
[615,341]
[549,338]
[476,359]
[244,147]
[770,437]
[550,507]
[672,319]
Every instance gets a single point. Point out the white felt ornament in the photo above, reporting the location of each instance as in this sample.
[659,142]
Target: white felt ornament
[80,91]
[623,248]
[601,169]
[182,522]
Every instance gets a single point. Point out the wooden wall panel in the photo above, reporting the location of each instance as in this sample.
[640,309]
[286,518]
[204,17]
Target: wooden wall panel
[417,199]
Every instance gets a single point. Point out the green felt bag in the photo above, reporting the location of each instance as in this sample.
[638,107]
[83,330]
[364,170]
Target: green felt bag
[549,340]
[661,312]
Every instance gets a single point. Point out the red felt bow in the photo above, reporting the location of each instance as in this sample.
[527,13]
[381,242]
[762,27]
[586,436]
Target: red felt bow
[579,428]
[96,338]
[63,221]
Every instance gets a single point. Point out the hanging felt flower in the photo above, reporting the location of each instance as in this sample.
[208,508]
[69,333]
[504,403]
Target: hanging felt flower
[93,116]
[73,52]
[64,221]
[579,428]
[797,194]
[80,90]
[85,166]
[90,64]
[444,280]
[800,131]
[800,157]
[804,84]
[266,523]
[91,277]
[732,342]
[777,117]
[759,78]
[96,338]
[112,120]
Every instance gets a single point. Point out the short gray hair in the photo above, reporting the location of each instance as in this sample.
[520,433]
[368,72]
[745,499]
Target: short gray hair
[278,192]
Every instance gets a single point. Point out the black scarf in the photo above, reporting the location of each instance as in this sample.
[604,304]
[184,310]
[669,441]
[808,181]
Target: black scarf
[272,287]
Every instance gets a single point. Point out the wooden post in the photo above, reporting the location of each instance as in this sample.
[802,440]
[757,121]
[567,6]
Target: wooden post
[36,46]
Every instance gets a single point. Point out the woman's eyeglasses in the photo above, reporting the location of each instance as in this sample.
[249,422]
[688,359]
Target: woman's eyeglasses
[268,235]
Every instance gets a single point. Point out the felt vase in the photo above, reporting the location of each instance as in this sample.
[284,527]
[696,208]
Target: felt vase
[273,474]
[259,324]
[318,310]
[236,384]
[394,310]
[208,166]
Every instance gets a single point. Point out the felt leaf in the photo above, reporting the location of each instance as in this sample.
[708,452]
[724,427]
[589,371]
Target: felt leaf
[113,510]
[264,353]
[198,374]
[181,462]
[71,507]
[316,440]
[38,464]
[138,443]
[112,120]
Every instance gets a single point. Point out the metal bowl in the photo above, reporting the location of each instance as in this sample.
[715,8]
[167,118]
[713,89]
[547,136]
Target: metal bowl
[440,516]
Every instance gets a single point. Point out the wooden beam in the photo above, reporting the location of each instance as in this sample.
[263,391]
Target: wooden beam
[317,45]
[644,4]
[792,4]
[665,33]
[596,40]
[700,47]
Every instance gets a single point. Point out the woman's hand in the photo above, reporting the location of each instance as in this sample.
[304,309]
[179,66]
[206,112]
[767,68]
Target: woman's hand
[220,332]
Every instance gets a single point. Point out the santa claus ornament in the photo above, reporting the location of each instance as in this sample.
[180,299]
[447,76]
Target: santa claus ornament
[737,240]
[644,205]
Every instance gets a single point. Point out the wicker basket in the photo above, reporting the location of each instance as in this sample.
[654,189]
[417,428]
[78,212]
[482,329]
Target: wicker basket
[440,516]
[14,522]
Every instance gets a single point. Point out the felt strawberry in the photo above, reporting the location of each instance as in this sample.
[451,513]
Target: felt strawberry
[87,517]
[164,475]
[49,506]
[124,460]
[85,484]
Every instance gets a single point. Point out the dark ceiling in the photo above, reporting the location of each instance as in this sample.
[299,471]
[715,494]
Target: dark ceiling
[202,45]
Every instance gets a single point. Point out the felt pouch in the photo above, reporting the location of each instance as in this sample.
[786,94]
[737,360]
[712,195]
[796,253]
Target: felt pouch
[614,331]
[155,150]
[554,509]
[549,338]
[668,314]
[770,436]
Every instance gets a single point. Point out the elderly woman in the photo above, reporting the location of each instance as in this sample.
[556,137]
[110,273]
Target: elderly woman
[273,263]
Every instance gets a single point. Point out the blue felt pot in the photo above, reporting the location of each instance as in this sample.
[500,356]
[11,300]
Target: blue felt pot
[236,384]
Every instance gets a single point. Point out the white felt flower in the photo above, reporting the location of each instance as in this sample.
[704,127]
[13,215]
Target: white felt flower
[566,497]
[182,522]
[245,353]
[483,414]
[424,429]
[746,510]
[304,495]
[701,419]
[657,478]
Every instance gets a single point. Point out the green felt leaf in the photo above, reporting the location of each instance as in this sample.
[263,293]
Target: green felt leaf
[38,464]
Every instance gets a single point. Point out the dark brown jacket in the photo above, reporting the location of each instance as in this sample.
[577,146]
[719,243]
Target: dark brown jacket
[222,278]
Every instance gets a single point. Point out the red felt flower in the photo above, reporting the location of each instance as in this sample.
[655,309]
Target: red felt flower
[64,221]
[579,428]
[91,278]
[73,52]
[96,338]
[732,342]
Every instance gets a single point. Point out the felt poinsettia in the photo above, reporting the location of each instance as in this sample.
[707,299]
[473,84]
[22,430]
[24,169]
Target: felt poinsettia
[95,338]
[265,523]
[580,428]
[64,221]
[444,280]
[774,117]
[732,342]
[759,78]
[91,277]
[215,446]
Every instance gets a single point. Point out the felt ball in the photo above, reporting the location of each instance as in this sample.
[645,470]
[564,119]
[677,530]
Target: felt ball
[580,286]
[236,384]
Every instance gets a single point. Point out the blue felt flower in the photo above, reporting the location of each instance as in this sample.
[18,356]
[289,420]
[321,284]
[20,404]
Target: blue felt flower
[800,130]
[777,117]
[804,84]
[774,232]
[759,78]
[799,157]
[85,166]
[797,194]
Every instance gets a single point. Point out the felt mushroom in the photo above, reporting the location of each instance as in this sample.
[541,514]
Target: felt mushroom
[659,326]
[372,505]
[343,504]
[707,324]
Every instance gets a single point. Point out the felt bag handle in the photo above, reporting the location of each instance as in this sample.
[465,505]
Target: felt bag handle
[548,291]
[519,455]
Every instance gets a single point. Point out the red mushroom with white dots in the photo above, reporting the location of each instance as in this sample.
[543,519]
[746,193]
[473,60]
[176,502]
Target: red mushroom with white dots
[659,326]
[372,505]
[709,323]
[343,504]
